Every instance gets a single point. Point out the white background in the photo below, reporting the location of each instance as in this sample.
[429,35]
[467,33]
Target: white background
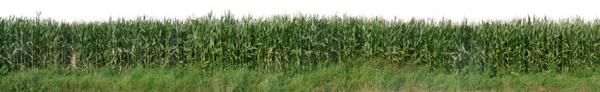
[450,9]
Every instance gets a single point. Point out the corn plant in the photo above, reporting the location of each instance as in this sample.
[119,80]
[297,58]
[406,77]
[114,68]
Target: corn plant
[300,42]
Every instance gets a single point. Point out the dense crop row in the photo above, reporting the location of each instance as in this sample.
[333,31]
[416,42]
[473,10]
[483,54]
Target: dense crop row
[521,45]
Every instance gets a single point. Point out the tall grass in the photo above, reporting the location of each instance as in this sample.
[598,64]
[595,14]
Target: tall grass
[339,77]
[300,42]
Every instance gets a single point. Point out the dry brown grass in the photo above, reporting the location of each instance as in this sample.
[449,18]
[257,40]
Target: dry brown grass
[73,60]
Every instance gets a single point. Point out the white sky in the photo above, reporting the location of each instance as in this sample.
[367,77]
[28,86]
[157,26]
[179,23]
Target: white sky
[451,9]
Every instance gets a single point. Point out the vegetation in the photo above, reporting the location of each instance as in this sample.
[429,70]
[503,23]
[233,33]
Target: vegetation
[339,77]
[34,50]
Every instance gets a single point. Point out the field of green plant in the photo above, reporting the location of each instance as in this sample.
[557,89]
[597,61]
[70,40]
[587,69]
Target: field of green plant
[291,46]
[339,77]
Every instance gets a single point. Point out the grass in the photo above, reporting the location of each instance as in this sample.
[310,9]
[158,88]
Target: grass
[299,53]
[340,77]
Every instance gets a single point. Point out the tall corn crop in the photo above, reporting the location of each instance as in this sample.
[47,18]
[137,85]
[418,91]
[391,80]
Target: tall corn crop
[520,45]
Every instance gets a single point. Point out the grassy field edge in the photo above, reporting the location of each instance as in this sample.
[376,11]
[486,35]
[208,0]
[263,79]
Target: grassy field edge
[338,77]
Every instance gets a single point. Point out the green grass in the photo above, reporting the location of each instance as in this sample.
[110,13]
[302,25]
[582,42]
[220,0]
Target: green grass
[340,77]
[299,53]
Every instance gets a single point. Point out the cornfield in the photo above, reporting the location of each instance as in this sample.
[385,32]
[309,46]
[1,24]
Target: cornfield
[294,42]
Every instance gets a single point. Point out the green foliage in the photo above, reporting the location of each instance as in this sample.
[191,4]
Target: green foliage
[300,42]
[338,77]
